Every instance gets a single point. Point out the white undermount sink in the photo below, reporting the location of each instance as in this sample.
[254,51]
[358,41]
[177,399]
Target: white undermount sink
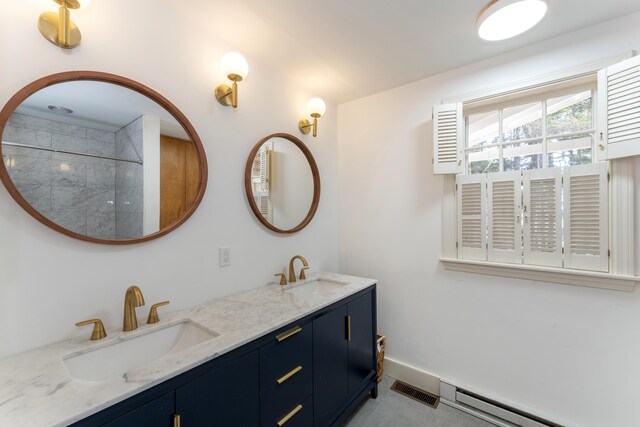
[314,288]
[131,352]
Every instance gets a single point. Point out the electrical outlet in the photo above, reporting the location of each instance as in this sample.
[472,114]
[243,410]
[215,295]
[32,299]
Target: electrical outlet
[225,257]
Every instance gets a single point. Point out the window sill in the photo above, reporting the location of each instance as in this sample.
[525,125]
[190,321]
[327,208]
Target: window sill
[590,279]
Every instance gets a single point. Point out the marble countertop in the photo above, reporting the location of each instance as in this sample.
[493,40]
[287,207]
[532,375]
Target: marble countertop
[37,390]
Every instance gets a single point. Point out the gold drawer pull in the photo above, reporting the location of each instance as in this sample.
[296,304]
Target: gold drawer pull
[289,375]
[348,328]
[289,416]
[176,421]
[283,336]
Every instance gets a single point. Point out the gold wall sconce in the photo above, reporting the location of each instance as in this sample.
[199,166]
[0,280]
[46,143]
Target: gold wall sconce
[236,68]
[316,109]
[58,28]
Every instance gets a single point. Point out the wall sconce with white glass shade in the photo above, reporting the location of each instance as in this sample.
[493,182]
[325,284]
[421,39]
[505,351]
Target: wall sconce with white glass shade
[503,19]
[236,68]
[58,28]
[316,109]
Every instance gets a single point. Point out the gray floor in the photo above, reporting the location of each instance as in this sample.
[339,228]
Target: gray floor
[394,409]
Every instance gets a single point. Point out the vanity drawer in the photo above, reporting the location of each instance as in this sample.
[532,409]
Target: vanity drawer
[281,398]
[289,349]
[297,414]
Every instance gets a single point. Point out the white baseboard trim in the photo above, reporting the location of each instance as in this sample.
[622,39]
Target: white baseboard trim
[476,414]
[411,375]
[449,396]
[447,391]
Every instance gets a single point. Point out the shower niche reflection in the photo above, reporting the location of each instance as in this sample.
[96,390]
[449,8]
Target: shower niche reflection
[102,161]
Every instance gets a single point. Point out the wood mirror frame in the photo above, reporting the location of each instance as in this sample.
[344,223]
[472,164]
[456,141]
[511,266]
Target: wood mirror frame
[72,76]
[316,183]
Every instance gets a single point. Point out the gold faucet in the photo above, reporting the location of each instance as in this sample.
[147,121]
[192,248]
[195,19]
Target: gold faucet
[98,328]
[292,271]
[132,299]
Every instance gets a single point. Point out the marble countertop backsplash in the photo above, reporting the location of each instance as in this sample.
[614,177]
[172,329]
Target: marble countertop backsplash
[36,389]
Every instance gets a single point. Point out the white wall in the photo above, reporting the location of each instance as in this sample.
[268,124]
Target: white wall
[151,174]
[566,352]
[49,281]
[291,189]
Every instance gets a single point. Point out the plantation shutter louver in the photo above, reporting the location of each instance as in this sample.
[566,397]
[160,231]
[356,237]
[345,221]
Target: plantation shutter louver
[472,228]
[586,231]
[264,207]
[264,201]
[265,169]
[542,217]
[619,110]
[504,239]
[448,138]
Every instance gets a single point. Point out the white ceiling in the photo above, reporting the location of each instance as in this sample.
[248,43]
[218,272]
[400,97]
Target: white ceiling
[346,49]
[98,105]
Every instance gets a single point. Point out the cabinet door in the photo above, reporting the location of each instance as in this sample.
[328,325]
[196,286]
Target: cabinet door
[361,342]
[228,396]
[330,385]
[157,413]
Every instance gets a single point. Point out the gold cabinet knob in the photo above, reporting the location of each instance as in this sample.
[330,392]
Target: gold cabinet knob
[153,312]
[283,279]
[98,328]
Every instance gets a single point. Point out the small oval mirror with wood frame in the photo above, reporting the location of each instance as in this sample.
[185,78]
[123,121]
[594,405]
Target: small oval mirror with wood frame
[101,158]
[282,183]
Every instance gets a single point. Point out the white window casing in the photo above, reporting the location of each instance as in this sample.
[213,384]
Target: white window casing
[542,217]
[619,107]
[448,138]
[622,209]
[472,224]
[562,240]
[586,217]
[504,238]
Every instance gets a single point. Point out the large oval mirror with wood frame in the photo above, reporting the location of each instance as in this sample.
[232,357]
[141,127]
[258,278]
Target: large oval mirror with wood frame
[101,158]
[282,183]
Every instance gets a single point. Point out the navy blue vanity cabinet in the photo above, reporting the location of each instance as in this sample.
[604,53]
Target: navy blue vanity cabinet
[361,343]
[344,359]
[228,396]
[286,380]
[221,392]
[157,413]
[330,364]
[312,372]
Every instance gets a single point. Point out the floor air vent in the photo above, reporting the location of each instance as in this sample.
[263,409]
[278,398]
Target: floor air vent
[416,394]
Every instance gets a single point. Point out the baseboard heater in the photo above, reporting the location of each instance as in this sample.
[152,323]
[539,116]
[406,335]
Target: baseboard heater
[489,409]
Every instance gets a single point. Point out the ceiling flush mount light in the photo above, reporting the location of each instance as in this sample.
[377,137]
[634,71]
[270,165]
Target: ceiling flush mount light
[58,28]
[316,109]
[503,19]
[59,110]
[236,68]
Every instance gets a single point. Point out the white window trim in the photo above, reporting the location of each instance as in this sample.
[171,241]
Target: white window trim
[591,279]
[540,80]
[622,220]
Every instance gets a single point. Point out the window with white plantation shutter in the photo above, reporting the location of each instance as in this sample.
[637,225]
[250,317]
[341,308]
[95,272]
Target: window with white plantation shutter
[472,226]
[619,101]
[448,138]
[265,169]
[542,217]
[265,207]
[504,196]
[262,195]
[586,231]
[544,185]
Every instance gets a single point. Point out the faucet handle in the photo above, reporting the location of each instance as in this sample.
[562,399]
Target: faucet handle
[302,275]
[98,328]
[283,279]
[153,312]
